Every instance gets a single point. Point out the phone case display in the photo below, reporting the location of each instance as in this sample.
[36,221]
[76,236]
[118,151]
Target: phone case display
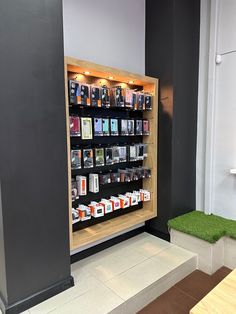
[104,178]
[148,102]
[88,158]
[123,153]
[114,127]
[98,130]
[86,128]
[107,205]
[109,155]
[74,92]
[115,202]
[124,127]
[139,127]
[74,126]
[76,159]
[124,201]
[93,183]
[105,91]
[96,96]
[105,126]
[81,185]
[99,157]
[117,97]
[141,103]
[130,126]
[84,212]
[97,210]
[146,130]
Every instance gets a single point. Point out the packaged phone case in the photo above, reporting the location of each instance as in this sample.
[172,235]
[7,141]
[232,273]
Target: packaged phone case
[124,127]
[74,190]
[75,158]
[88,158]
[141,104]
[99,157]
[105,126]
[117,97]
[129,99]
[139,151]
[96,96]
[93,182]
[98,130]
[74,92]
[86,128]
[81,185]
[105,91]
[130,126]
[109,155]
[75,216]
[123,153]
[114,127]
[104,178]
[84,95]
[133,152]
[74,126]
[115,177]
[139,127]
[146,130]
[148,102]
[116,154]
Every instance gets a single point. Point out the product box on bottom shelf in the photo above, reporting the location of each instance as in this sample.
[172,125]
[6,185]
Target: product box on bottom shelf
[97,210]
[107,205]
[84,212]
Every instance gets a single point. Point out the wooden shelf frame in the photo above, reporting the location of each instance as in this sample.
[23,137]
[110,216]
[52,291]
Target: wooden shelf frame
[111,227]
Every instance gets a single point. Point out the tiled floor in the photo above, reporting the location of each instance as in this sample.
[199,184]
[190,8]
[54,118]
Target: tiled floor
[123,278]
[186,293]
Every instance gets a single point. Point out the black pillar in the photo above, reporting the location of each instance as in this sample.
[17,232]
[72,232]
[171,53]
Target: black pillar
[172,54]
[34,235]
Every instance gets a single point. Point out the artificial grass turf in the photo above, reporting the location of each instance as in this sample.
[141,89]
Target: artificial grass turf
[206,227]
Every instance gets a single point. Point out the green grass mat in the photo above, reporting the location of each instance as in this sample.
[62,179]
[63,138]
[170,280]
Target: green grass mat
[206,227]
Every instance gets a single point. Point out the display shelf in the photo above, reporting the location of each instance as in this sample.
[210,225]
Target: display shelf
[98,229]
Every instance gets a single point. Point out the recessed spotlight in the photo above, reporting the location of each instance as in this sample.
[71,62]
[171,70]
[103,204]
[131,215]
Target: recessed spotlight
[131,82]
[87,72]
[111,77]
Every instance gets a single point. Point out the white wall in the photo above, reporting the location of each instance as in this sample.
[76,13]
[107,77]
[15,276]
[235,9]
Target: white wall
[109,32]
[217,194]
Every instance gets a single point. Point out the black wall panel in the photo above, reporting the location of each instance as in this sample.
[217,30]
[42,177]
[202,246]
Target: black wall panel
[33,160]
[172,54]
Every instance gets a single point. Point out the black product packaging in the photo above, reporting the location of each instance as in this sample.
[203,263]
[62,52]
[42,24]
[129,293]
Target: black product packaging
[141,104]
[139,150]
[124,127]
[74,92]
[96,96]
[88,157]
[130,126]
[105,91]
[76,159]
[117,97]
[139,127]
[85,95]
[99,157]
[148,102]
[104,178]
[97,127]
[123,153]
[109,155]
[105,126]
[115,177]
[116,154]
[114,128]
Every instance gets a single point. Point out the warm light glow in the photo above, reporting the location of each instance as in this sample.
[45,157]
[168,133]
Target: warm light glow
[87,72]
[131,82]
[111,77]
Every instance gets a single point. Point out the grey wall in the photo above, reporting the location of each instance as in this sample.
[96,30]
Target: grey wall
[108,32]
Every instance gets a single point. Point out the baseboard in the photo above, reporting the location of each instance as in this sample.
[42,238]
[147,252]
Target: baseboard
[104,245]
[37,298]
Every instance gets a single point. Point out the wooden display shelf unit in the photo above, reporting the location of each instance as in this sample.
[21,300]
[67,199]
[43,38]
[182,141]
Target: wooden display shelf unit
[101,75]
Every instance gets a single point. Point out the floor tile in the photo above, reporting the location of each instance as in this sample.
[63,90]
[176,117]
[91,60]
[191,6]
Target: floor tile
[100,300]
[129,283]
[172,301]
[220,274]
[83,282]
[173,256]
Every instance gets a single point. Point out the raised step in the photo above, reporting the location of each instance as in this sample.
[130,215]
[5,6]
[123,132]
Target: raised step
[123,278]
